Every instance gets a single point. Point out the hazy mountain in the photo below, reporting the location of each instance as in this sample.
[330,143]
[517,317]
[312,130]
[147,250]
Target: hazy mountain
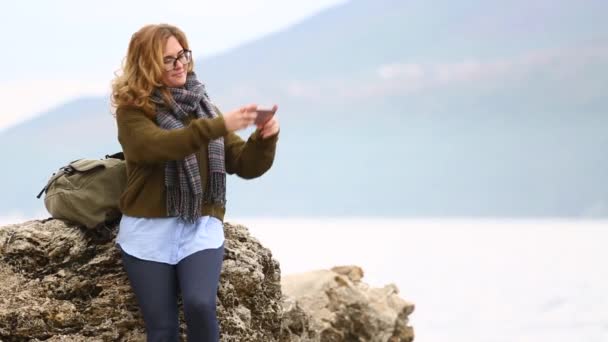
[394,108]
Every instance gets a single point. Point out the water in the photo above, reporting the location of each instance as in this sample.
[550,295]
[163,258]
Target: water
[471,280]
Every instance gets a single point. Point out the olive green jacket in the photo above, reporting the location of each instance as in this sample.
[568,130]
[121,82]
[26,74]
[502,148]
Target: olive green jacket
[147,147]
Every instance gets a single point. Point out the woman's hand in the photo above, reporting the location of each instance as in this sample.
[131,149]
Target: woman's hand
[270,128]
[240,118]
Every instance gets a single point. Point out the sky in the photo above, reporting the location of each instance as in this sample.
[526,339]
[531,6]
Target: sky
[54,51]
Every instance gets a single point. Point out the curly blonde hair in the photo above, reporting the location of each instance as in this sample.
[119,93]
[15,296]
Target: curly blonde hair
[143,67]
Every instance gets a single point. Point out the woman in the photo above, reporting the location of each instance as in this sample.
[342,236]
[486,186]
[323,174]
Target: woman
[178,148]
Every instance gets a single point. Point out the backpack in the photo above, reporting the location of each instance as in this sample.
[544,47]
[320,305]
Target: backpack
[87,191]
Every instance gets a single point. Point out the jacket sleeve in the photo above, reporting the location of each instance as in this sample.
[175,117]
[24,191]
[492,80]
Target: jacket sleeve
[143,141]
[251,158]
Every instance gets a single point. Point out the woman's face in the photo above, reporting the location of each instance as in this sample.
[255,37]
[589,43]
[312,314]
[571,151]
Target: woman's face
[175,71]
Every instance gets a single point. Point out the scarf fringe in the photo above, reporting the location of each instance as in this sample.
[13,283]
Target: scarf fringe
[216,192]
[184,204]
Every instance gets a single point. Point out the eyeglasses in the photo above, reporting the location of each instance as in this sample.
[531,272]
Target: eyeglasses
[183,57]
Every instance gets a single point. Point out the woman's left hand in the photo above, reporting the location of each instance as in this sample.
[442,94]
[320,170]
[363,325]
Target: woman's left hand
[270,128]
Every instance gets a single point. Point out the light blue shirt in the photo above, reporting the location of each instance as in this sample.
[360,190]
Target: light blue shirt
[168,239]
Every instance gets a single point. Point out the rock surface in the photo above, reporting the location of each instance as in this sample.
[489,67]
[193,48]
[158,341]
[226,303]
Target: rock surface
[67,283]
[60,282]
[340,307]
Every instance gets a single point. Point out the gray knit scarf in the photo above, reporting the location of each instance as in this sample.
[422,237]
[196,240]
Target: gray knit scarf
[185,193]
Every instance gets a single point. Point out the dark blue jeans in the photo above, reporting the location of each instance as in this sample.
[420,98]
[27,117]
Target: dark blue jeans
[156,286]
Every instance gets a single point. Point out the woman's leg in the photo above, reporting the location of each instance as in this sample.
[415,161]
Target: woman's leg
[155,287]
[199,276]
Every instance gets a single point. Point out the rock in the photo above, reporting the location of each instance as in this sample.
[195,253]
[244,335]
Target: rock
[60,282]
[64,283]
[340,307]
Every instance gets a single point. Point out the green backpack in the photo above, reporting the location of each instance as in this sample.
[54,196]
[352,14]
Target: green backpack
[87,191]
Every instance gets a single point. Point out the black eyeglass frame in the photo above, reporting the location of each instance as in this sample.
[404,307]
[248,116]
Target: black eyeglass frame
[185,53]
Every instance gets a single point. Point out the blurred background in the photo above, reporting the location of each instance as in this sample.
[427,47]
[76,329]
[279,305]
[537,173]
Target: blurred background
[457,149]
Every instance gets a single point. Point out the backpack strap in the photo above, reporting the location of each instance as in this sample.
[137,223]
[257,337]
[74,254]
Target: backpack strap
[117,155]
[65,170]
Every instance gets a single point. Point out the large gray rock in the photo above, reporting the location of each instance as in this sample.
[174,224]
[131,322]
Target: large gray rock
[60,282]
[66,283]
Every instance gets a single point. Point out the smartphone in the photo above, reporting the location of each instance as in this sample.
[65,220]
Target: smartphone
[264,114]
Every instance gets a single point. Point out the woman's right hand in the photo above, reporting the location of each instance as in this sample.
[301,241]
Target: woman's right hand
[240,118]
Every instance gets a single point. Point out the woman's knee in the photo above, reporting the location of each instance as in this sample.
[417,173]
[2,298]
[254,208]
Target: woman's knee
[163,334]
[199,305]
